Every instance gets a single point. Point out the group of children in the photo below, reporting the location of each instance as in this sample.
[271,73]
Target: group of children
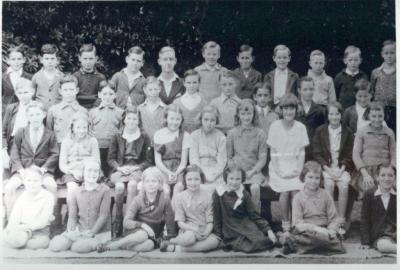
[194,156]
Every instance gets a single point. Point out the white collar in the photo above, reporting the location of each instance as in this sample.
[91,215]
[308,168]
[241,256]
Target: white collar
[10,70]
[134,76]
[217,66]
[159,103]
[131,137]
[266,109]
[311,73]
[39,131]
[283,72]
[350,73]
[335,131]
[378,192]
[360,109]
[221,189]
[175,77]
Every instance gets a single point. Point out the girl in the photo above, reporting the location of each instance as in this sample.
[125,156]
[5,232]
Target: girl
[332,148]
[128,156]
[246,146]
[236,222]
[75,148]
[191,103]
[29,223]
[287,139]
[171,149]
[146,216]
[89,223]
[193,212]
[374,144]
[378,214]
[208,149]
[315,220]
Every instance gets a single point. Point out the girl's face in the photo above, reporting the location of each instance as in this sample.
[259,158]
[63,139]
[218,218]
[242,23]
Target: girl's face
[312,180]
[152,90]
[246,117]
[376,118]
[386,178]
[174,120]
[289,113]
[334,116]
[193,181]
[208,122]
[33,182]
[91,172]
[151,184]
[16,60]
[192,84]
[80,128]
[107,95]
[131,121]
[234,180]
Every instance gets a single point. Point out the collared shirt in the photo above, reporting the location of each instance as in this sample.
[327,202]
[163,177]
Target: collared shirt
[221,189]
[209,83]
[280,82]
[324,88]
[351,73]
[39,133]
[20,119]
[131,137]
[306,107]
[47,91]
[59,117]
[168,83]
[227,110]
[361,122]
[384,86]
[152,117]
[385,197]
[263,111]
[132,77]
[15,76]
[334,140]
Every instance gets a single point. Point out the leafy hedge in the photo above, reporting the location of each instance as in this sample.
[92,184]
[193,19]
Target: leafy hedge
[116,26]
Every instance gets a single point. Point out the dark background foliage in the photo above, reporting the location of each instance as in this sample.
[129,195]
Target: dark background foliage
[116,26]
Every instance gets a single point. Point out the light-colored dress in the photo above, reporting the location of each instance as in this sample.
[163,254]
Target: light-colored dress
[288,144]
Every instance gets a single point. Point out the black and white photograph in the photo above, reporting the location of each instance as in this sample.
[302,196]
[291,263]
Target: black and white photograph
[199,132]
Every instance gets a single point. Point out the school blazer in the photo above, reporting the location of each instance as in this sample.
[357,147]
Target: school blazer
[120,80]
[350,118]
[315,117]
[321,147]
[23,156]
[292,82]
[8,91]
[247,85]
[374,217]
[116,152]
[177,90]
[8,124]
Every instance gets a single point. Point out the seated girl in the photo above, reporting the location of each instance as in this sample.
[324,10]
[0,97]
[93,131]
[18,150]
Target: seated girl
[378,213]
[146,216]
[89,219]
[236,222]
[29,223]
[193,212]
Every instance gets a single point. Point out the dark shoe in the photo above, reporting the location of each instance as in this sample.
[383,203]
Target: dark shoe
[117,227]
[164,245]
[100,248]
[289,246]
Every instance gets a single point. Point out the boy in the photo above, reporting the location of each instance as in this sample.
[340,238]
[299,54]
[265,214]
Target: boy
[310,114]
[383,82]
[47,80]
[59,115]
[210,71]
[353,116]
[248,76]
[16,60]
[105,121]
[282,80]
[345,80]
[228,101]
[33,145]
[129,81]
[88,77]
[324,88]
[171,85]
[263,99]
[28,226]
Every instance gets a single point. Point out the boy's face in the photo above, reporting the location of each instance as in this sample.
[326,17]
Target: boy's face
[24,94]
[376,117]
[386,178]
[33,182]
[134,62]
[334,116]
[245,59]
[88,60]
[49,61]
[262,97]
[312,180]
[193,181]
[228,85]
[389,54]
[208,122]
[306,90]
[91,172]
[151,184]
[68,91]
[234,180]
[289,113]
[152,90]
[107,96]
[363,98]
[16,60]
[317,64]
[192,84]
[281,59]
[131,121]
[174,120]
[35,117]
[211,56]
[167,61]
[353,61]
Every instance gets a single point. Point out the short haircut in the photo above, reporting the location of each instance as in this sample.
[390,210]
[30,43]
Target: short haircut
[212,110]
[373,106]
[151,80]
[264,85]
[166,49]
[134,110]
[316,53]
[49,49]
[306,79]
[193,168]
[247,105]
[233,167]
[281,47]
[24,83]
[388,42]
[337,105]
[386,165]
[289,100]
[351,50]
[362,85]
[35,104]
[191,72]
[310,166]
[135,50]
[89,47]
[172,108]
[18,49]
[69,79]
[246,48]
[153,172]
[210,45]
[104,84]
[229,74]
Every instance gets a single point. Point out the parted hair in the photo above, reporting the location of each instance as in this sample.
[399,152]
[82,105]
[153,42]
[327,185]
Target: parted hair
[19,49]
[351,50]
[210,45]
[310,166]
[233,167]
[49,49]
[209,109]
[193,168]
[172,108]
[68,78]
[281,47]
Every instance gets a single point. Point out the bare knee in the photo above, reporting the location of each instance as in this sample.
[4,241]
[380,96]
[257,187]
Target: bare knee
[385,246]
[147,245]
[38,242]
[82,246]
[15,239]
[187,239]
[60,243]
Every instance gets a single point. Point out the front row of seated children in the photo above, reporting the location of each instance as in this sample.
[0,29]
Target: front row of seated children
[228,220]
